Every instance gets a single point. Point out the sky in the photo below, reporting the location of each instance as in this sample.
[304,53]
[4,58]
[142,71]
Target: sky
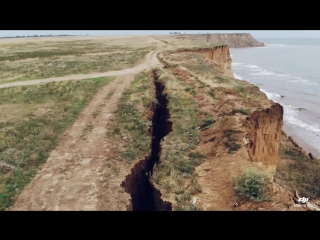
[254,33]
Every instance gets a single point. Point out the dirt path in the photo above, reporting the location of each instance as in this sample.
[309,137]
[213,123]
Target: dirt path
[75,174]
[150,60]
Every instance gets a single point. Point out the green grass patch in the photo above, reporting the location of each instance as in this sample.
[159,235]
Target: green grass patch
[130,124]
[231,143]
[243,111]
[207,122]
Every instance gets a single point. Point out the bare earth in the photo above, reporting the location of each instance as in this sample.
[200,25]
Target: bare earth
[75,174]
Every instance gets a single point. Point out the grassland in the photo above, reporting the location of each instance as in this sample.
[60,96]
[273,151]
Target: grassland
[31,121]
[44,59]
[174,175]
[132,121]
[298,171]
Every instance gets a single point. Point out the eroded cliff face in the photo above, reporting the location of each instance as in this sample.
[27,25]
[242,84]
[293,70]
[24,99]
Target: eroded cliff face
[264,134]
[219,56]
[234,40]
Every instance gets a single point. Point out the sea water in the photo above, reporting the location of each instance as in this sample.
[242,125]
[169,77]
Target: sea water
[288,71]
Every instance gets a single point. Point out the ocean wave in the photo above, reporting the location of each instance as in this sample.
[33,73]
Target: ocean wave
[310,94]
[270,95]
[251,66]
[294,107]
[298,80]
[302,81]
[263,73]
[237,76]
[293,120]
[291,112]
[236,64]
[275,45]
[284,75]
[290,115]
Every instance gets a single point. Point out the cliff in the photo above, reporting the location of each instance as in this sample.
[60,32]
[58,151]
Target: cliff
[219,57]
[246,133]
[234,40]
[264,134]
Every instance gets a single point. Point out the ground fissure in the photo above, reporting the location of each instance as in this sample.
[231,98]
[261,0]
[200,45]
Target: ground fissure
[145,197]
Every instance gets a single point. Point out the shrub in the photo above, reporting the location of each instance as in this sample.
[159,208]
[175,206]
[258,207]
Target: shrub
[253,185]
[211,93]
[243,111]
[207,123]
[232,144]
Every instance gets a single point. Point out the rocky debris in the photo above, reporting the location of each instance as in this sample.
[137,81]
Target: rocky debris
[195,201]
[5,167]
[311,156]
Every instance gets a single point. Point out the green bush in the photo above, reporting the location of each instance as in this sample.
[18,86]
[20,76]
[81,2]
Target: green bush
[253,185]
[211,93]
[243,111]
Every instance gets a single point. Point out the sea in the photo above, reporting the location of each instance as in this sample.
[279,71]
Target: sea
[287,70]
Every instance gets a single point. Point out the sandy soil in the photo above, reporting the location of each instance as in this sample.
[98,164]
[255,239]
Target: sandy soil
[75,176]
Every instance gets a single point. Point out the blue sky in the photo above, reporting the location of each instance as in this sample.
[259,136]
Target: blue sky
[254,33]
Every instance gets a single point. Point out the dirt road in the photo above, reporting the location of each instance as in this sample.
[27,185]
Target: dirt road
[150,61]
[76,173]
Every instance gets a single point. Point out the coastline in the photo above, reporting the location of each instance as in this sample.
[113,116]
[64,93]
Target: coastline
[300,141]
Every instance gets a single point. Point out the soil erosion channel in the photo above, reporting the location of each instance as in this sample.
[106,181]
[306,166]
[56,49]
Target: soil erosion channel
[144,195]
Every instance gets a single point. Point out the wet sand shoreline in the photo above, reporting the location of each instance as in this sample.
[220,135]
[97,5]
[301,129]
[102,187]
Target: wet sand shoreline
[300,141]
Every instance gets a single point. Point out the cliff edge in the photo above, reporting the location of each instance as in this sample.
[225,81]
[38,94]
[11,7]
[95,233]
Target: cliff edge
[234,40]
[219,56]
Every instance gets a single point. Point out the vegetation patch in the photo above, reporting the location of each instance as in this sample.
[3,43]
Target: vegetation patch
[253,185]
[180,156]
[231,142]
[47,59]
[298,172]
[132,122]
[243,111]
[27,139]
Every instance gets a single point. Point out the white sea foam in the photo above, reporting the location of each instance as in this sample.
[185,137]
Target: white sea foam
[294,107]
[251,66]
[270,95]
[237,64]
[302,81]
[291,112]
[263,73]
[237,76]
[292,119]
[275,45]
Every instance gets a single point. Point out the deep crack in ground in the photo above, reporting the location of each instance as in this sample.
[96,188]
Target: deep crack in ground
[144,195]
